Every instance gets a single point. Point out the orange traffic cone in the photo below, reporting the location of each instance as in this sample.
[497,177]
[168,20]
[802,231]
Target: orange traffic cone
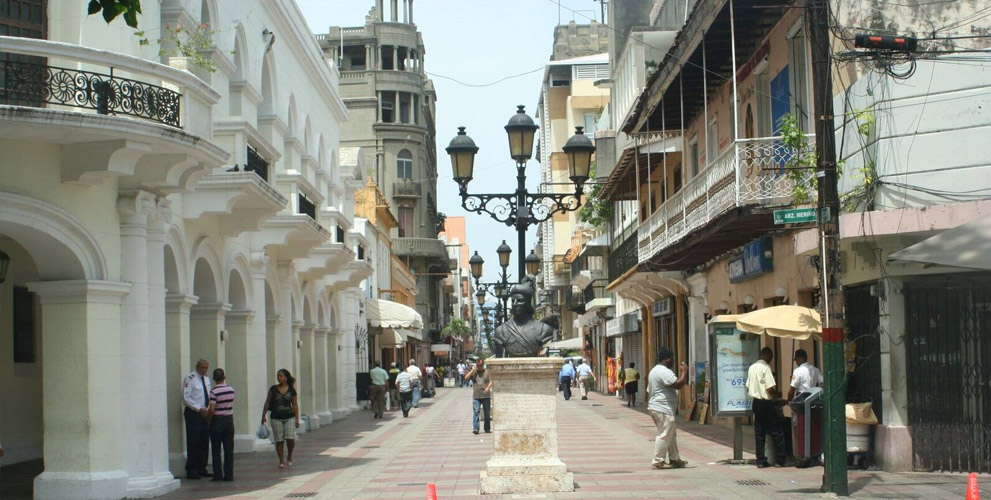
[973,492]
[432,491]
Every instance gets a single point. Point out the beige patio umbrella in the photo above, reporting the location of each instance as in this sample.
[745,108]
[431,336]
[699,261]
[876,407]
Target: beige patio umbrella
[794,322]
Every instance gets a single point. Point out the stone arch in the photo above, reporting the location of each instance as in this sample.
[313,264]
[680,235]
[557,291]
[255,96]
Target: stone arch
[176,262]
[70,251]
[240,55]
[207,280]
[208,12]
[292,118]
[307,311]
[307,136]
[269,87]
[237,291]
[239,265]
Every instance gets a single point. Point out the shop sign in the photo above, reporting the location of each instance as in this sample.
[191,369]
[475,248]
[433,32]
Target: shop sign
[733,353]
[755,261]
[663,307]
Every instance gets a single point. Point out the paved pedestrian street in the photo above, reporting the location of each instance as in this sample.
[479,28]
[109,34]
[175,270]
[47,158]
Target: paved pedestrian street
[607,445]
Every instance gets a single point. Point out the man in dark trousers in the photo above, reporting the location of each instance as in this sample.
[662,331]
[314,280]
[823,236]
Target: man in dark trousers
[761,388]
[196,399]
[222,426]
[482,394]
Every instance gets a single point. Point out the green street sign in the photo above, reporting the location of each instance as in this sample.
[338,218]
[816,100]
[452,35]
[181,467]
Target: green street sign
[794,215]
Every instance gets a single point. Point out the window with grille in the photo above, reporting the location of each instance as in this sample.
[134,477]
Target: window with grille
[591,72]
[404,164]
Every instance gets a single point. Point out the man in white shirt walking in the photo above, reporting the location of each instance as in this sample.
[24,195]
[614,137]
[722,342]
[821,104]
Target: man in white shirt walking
[417,378]
[584,374]
[805,377]
[662,386]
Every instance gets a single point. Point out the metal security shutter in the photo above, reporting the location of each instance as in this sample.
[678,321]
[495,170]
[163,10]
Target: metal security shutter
[633,351]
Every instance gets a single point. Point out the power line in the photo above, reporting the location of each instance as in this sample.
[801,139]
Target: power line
[479,85]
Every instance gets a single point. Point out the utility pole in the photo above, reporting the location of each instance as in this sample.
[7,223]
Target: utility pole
[831,292]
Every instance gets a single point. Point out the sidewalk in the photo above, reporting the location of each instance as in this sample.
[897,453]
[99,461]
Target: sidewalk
[607,445]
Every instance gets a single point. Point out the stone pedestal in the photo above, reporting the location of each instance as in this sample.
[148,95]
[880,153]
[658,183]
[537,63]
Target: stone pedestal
[524,424]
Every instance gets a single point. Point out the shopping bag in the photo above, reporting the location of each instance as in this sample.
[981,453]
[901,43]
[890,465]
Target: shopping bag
[860,413]
[262,432]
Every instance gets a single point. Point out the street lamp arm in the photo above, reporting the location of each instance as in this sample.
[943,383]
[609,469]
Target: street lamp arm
[541,211]
[501,207]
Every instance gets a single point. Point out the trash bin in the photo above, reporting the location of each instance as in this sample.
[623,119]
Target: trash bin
[806,418]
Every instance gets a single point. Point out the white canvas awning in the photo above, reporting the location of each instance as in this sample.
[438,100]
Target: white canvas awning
[964,246]
[572,343]
[390,338]
[388,314]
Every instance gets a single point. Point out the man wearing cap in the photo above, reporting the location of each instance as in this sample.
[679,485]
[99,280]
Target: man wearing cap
[805,377]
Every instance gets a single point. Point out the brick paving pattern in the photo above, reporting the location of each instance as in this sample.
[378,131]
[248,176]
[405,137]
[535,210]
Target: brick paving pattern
[607,445]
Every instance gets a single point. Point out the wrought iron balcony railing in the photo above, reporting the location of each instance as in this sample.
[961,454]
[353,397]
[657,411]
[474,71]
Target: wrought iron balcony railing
[623,258]
[597,290]
[575,300]
[256,164]
[30,84]
[750,173]
[306,207]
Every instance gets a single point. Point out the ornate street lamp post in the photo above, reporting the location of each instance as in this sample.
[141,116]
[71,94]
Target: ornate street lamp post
[522,208]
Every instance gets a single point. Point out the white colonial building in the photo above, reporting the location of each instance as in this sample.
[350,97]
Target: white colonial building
[157,209]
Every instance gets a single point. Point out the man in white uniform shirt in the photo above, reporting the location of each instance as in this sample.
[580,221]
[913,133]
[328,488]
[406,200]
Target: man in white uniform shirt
[805,377]
[196,401]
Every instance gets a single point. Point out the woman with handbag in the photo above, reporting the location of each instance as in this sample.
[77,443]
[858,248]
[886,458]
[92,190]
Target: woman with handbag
[284,406]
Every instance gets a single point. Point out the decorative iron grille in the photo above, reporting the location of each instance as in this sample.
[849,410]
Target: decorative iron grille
[256,164]
[33,84]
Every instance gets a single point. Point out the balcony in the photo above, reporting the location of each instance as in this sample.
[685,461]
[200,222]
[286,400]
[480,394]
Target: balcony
[596,297]
[407,189]
[256,164]
[430,248]
[623,258]
[729,203]
[575,300]
[586,269]
[132,119]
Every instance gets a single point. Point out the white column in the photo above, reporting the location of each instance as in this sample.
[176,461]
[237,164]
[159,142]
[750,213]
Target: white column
[379,10]
[410,11]
[893,441]
[405,12]
[285,337]
[141,398]
[273,326]
[305,379]
[395,11]
[335,351]
[177,366]
[157,346]
[350,366]
[320,376]
[250,395]
[81,332]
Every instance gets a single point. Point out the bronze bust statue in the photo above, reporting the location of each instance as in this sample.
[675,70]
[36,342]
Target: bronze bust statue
[521,336]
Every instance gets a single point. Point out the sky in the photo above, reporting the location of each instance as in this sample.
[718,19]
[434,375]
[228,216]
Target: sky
[470,45]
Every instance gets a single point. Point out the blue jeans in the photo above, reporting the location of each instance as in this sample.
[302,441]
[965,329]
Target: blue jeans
[477,404]
[416,394]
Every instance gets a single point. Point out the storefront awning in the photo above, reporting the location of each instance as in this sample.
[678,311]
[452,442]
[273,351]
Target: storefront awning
[440,349]
[390,338]
[388,314]
[572,343]
[963,246]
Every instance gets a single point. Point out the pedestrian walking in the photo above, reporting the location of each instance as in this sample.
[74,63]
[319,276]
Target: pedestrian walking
[379,378]
[631,377]
[283,403]
[761,388]
[564,379]
[663,385]
[805,376]
[417,378]
[482,395]
[222,426]
[584,376]
[462,369]
[404,384]
[429,381]
[393,391]
[196,402]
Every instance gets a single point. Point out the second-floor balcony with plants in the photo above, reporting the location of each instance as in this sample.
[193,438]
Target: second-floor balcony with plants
[752,175]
